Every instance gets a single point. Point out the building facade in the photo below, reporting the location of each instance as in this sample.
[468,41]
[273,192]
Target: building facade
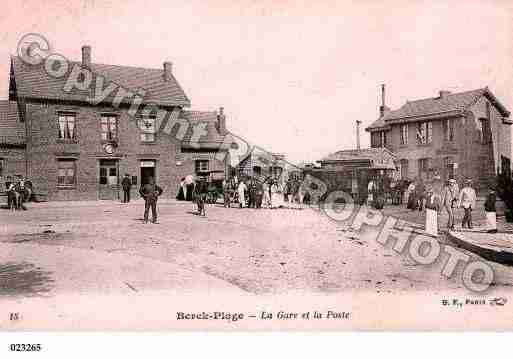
[263,164]
[351,170]
[454,135]
[73,148]
[12,140]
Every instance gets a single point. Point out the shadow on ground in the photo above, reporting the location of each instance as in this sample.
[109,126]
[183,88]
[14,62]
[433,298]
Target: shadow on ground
[24,279]
[31,237]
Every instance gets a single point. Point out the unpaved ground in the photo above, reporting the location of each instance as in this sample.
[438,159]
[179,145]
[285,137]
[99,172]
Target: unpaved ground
[104,247]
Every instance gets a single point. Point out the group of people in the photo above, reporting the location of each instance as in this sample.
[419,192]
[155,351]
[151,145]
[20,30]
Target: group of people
[250,193]
[447,197]
[18,190]
[266,192]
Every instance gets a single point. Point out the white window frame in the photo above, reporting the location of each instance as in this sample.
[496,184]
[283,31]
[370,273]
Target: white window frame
[65,131]
[449,130]
[425,129]
[199,168]
[65,183]
[148,131]
[111,132]
[404,134]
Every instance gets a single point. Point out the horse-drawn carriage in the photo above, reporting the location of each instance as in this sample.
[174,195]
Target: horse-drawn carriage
[214,185]
[17,193]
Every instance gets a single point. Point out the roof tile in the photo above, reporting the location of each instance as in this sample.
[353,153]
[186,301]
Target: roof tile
[372,154]
[34,82]
[212,139]
[435,106]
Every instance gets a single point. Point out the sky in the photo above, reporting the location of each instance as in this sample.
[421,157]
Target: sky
[293,76]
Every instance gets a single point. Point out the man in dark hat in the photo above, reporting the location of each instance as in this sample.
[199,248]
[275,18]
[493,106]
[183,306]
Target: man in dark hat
[21,192]
[467,200]
[259,194]
[126,184]
[150,192]
[447,202]
[9,188]
[252,194]
[200,195]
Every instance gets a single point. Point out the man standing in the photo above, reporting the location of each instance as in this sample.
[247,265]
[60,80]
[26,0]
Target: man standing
[370,192]
[9,187]
[21,190]
[200,195]
[259,194]
[455,189]
[447,203]
[126,184]
[467,200]
[252,194]
[150,192]
[226,193]
[286,191]
[420,194]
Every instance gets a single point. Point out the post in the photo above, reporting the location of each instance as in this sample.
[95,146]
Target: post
[358,122]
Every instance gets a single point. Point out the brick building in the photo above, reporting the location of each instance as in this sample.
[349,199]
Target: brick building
[460,135]
[12,140]
[73,148]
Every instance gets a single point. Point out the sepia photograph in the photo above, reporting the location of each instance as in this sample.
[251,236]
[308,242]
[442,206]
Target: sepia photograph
[255,166]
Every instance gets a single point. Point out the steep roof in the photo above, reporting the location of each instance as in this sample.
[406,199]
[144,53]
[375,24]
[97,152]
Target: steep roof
[378,124]
[451,103]
[12,130]
[212,139]
[32,81]
[371,154]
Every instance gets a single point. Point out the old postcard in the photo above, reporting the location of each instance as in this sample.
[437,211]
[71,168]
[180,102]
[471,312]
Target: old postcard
[241,165]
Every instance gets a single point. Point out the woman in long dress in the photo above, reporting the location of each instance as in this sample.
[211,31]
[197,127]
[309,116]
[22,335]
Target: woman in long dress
[276,196]
[409,194]
[266,201]
[241,189]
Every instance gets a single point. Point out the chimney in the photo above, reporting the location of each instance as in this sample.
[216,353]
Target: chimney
[221,119]
[86,55]
[444,93]
[168,67]
[358,122]
[383,109]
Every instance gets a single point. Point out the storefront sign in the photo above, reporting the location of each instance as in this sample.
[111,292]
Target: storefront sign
[147,163]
